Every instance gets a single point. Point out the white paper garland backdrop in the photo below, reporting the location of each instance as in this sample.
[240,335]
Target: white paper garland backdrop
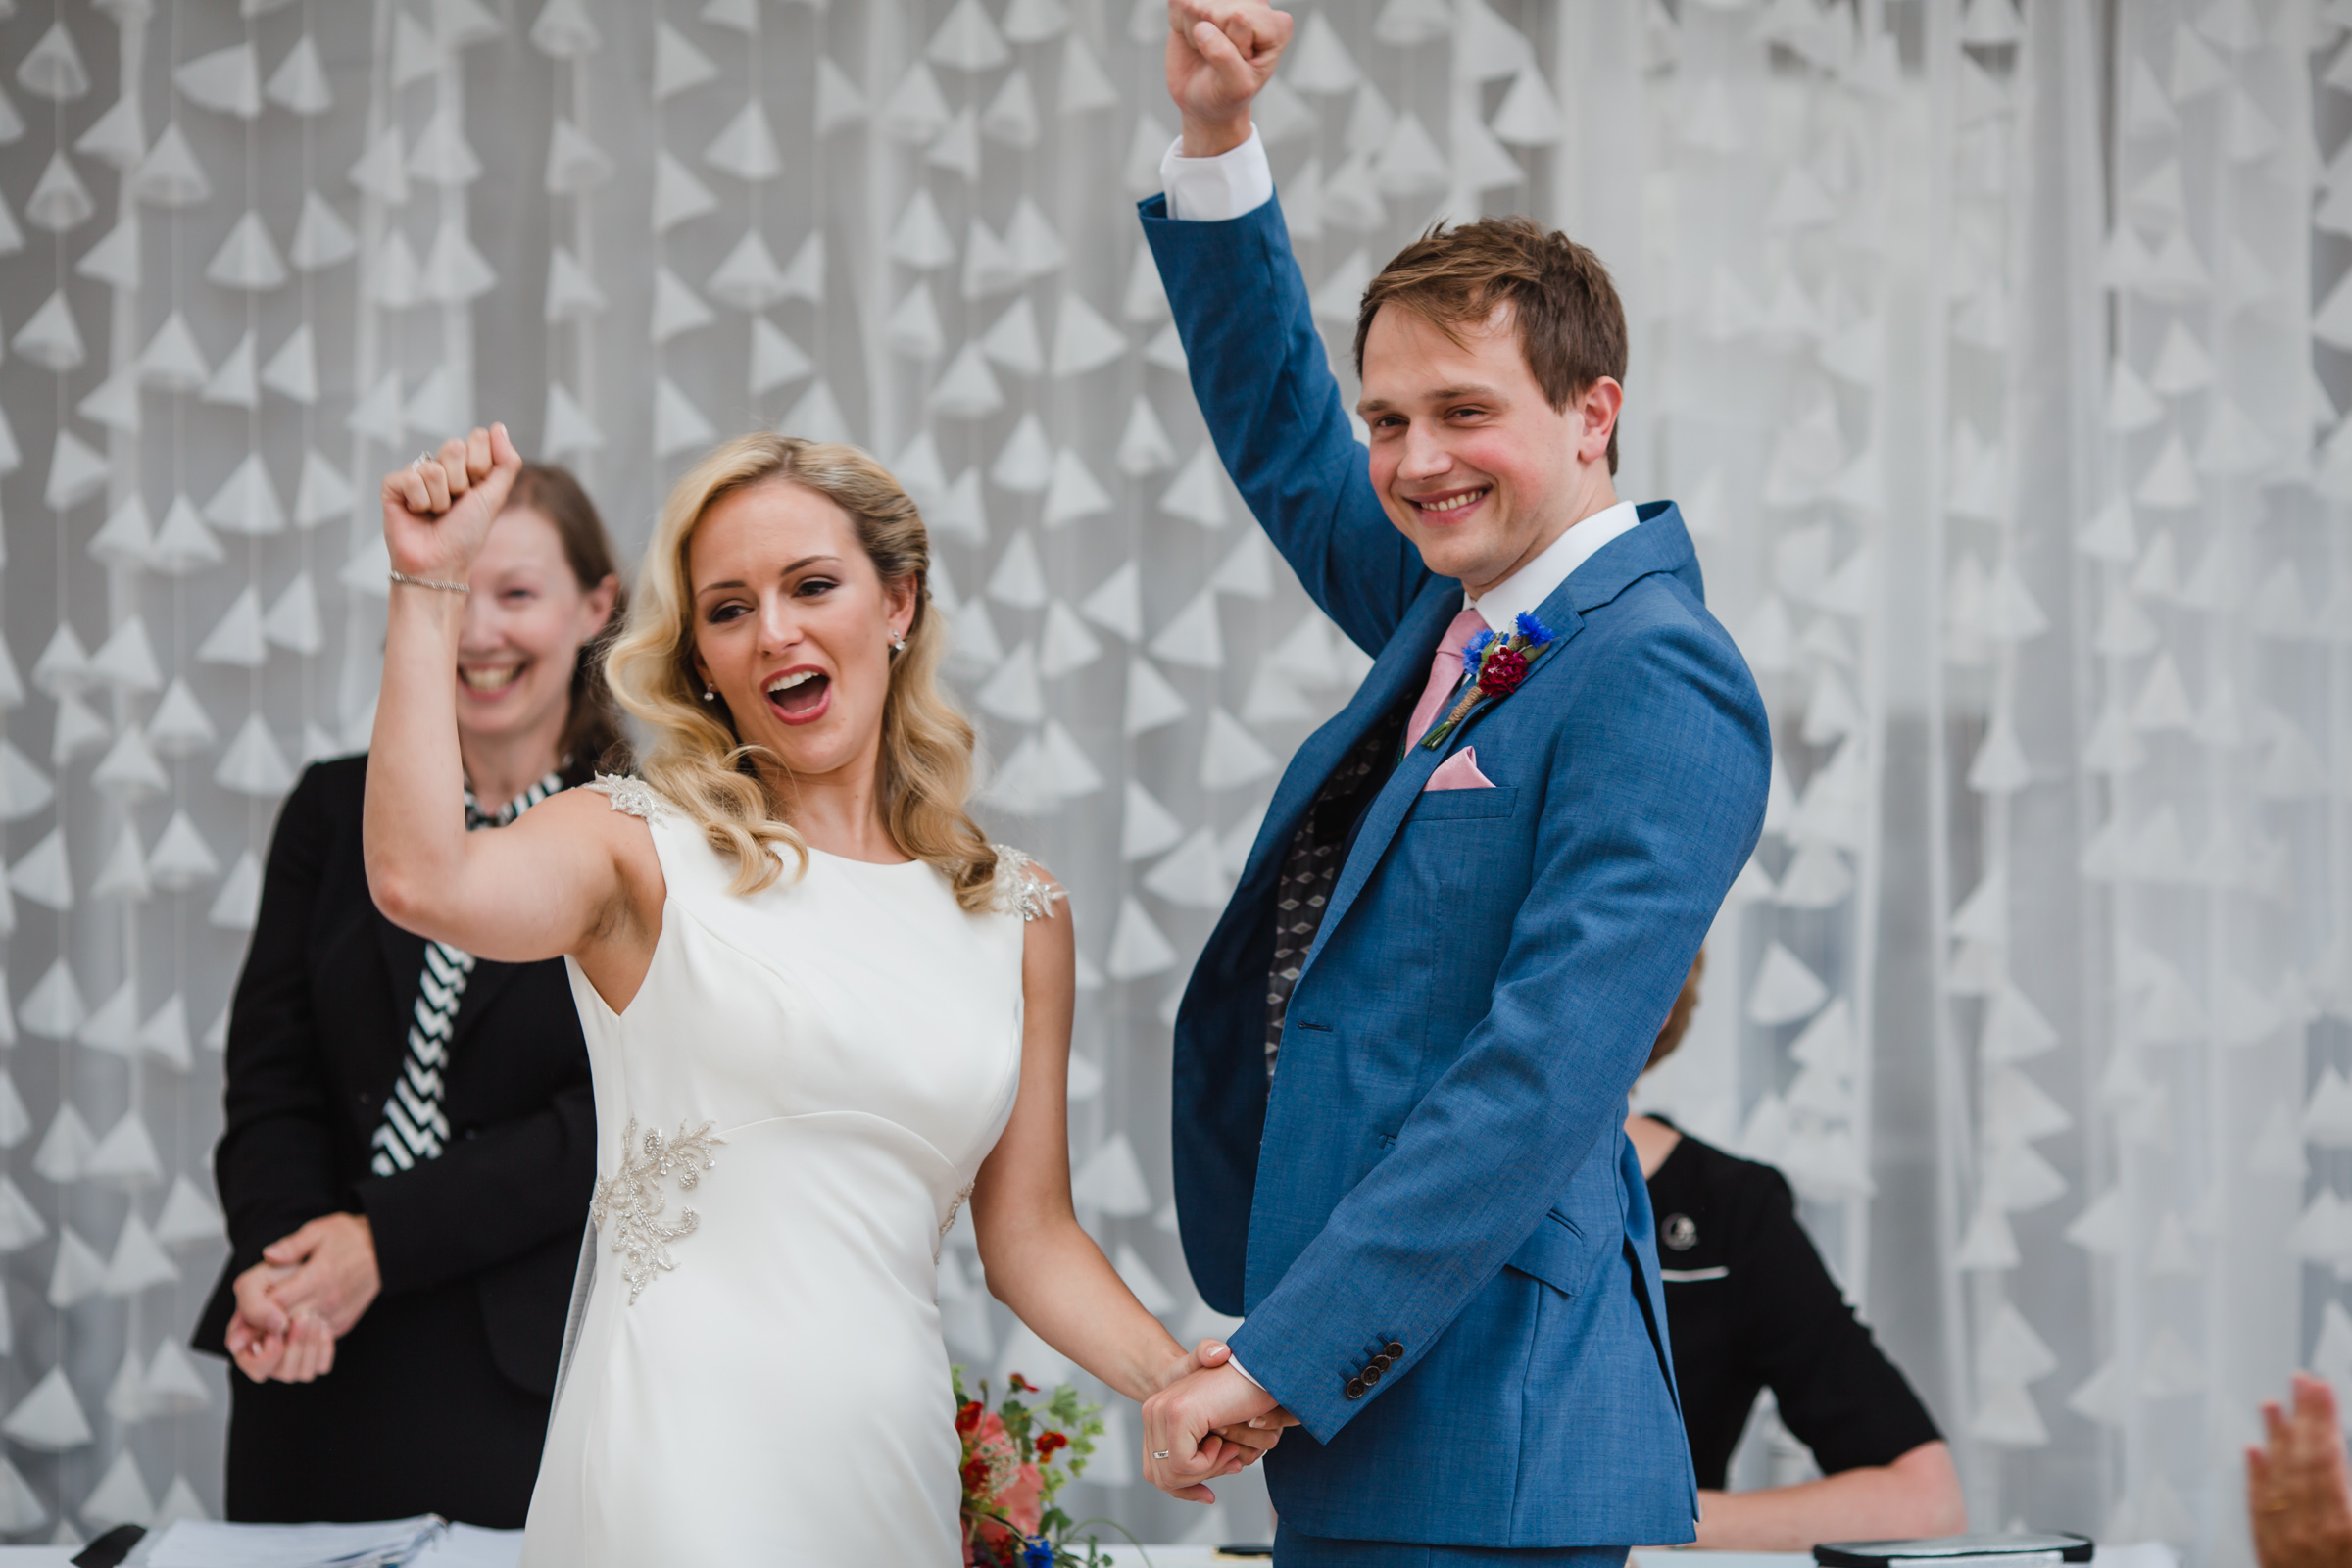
[2031,525]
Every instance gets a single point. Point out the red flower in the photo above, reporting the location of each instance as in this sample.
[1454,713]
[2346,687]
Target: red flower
[1047,1442]
[1501,673]
[1021,1384]
[975,1477]
[968,1417]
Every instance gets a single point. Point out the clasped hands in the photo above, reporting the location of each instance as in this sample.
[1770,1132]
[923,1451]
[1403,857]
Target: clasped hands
[306,1291]
[1208,1421]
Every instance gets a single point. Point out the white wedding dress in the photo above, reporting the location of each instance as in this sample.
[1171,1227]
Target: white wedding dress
[789,1112]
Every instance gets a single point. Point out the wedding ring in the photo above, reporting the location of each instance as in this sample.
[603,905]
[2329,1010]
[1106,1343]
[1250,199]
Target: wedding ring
[1162,1454]
[421,459]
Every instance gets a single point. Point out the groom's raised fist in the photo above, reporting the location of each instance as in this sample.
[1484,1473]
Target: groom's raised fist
[1220,54]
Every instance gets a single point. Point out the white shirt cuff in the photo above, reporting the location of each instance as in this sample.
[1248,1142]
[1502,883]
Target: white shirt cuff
[1210,191]
[1230,1362]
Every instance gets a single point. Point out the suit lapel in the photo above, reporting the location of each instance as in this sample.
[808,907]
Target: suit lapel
[404,961]
[1403,662]
[481,989]
[1659,545]
[1387,809]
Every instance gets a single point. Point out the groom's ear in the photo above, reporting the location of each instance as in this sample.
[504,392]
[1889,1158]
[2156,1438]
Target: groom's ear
[1598,408]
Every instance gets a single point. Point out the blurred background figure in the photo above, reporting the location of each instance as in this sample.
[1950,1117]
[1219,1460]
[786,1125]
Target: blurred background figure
[411,1138]
[2298,1487]
[1751,1306]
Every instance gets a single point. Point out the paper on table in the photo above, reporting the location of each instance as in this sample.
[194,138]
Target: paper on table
[204,1544]
[472,1546]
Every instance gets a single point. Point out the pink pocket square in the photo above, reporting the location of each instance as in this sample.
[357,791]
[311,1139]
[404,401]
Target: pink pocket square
[1459,772]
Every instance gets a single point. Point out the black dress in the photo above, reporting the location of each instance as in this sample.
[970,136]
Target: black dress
[1749,1304]
[438,1401]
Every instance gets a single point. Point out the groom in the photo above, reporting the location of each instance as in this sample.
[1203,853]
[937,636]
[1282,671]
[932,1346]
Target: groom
[1402,1061]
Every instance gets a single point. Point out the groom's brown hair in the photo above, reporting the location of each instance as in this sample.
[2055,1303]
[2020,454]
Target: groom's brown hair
[1570,322]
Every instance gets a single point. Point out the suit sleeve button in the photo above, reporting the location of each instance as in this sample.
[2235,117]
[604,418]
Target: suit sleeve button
[1393,1350]
[1382,1361]
[1354,1389]
[1372,1372]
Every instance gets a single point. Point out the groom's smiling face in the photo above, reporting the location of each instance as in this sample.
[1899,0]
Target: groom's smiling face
[1470,460]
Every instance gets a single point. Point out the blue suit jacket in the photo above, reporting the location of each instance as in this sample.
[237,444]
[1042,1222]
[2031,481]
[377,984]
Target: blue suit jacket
[1441,1162]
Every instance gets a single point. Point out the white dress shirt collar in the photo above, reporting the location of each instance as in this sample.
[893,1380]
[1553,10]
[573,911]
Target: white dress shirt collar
[1523,590]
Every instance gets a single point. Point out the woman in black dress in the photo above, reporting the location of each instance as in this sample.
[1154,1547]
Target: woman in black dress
[1749,1305]
[411,1136]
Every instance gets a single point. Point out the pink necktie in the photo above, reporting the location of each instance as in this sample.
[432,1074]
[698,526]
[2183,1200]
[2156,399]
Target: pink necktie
[1444,673]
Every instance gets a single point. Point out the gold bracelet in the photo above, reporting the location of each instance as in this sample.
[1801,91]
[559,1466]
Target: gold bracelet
[428,582]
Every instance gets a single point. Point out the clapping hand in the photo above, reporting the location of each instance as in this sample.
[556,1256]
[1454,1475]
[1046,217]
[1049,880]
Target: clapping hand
[308,1291]
[1220,54]
[439,508]
[2299,1490]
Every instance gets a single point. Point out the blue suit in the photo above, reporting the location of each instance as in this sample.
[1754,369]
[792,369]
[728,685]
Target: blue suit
[1439,1163]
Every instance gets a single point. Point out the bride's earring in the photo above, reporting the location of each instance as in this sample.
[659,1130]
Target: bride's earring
[898,644]
[709,694]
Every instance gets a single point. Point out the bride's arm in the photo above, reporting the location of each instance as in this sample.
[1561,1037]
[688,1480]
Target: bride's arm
[1039,1259]
[561,879]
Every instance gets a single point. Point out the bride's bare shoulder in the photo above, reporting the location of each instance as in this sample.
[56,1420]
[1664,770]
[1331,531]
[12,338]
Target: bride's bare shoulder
[616,814]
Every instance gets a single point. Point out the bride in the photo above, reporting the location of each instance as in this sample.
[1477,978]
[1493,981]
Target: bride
[822,1012]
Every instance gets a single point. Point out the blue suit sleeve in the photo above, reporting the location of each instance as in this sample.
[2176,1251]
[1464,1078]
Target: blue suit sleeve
[1263,385]
[1622,896]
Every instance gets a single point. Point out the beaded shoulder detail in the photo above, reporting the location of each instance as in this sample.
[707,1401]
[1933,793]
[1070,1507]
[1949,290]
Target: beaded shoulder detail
[1020,889]
[627,794]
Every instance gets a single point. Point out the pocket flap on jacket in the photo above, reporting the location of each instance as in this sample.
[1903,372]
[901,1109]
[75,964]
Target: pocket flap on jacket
[1555,1254]
[1447,805]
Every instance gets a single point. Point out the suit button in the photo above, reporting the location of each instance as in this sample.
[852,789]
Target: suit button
[1383,1362]
[1354,1389]
[1372,1373]
[1393,1350]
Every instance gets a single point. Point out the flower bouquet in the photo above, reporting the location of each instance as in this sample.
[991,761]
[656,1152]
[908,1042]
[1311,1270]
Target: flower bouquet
[1015,1458]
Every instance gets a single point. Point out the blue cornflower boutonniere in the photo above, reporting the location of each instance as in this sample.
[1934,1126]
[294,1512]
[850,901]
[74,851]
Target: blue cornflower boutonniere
[1495,666]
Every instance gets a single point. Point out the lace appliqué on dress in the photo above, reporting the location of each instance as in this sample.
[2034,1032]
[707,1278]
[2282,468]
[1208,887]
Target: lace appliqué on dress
[633,796]
[946,1225]
[1020,890]
[632,1199]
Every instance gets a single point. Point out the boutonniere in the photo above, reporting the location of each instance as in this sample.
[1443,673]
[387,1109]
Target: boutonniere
[1496,666]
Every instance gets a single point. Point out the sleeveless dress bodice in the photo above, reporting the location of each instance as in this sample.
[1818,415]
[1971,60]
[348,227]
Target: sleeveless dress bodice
[789,1112]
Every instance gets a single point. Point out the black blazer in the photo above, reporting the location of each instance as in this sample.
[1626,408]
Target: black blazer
[316,1033]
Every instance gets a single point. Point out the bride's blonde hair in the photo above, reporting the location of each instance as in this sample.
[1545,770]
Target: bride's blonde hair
[695,757]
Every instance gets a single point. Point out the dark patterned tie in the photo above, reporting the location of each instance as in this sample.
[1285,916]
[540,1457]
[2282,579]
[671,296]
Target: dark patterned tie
[1310,867]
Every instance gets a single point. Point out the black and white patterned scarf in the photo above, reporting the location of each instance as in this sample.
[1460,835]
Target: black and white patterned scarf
[414,1129]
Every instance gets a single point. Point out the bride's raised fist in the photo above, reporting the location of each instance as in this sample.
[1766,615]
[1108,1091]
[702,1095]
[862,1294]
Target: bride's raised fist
[438,510]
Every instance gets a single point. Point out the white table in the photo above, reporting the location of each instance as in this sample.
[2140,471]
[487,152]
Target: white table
[1208,1557]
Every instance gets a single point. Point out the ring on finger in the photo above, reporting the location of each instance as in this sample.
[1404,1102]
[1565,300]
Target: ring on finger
[418,461]
[1162,1453]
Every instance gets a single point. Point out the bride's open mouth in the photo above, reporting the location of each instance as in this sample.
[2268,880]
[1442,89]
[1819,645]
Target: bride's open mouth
[800,696]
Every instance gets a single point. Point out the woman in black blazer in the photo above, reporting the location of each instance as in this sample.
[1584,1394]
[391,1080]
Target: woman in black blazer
[1751,1306]
[411,1138]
